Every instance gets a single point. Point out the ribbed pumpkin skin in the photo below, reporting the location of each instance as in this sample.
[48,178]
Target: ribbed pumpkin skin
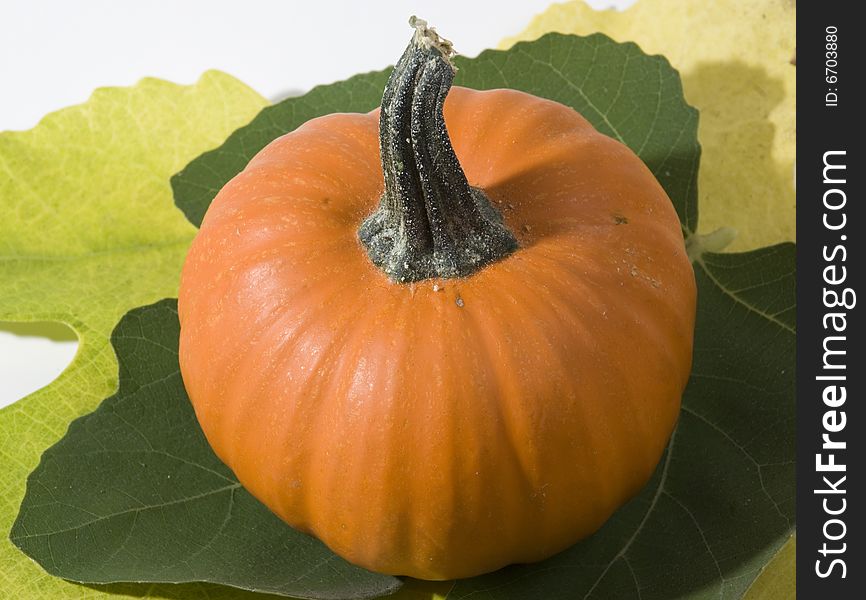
[441,434]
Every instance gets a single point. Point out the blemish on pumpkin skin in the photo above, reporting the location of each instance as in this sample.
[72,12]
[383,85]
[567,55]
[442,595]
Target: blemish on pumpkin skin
[620,220]
[459,302]
[634,272]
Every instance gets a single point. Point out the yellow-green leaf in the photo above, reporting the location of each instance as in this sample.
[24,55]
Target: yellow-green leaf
[778,579]
[88,231]
[736,62]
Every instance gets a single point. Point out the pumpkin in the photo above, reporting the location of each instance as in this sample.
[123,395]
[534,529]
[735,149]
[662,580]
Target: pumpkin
[445,336]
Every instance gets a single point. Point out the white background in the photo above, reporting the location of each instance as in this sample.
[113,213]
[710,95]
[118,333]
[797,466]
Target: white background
[54,53]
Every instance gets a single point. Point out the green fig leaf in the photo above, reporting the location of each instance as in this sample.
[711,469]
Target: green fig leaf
[144,498]
[721,502]
[624,93]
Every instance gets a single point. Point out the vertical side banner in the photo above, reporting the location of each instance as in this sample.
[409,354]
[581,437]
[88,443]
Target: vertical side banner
[831,363]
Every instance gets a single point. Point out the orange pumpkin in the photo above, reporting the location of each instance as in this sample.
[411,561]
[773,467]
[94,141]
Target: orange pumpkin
[485,372]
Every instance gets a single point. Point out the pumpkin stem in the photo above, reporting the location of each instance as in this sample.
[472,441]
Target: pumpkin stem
[430,222]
